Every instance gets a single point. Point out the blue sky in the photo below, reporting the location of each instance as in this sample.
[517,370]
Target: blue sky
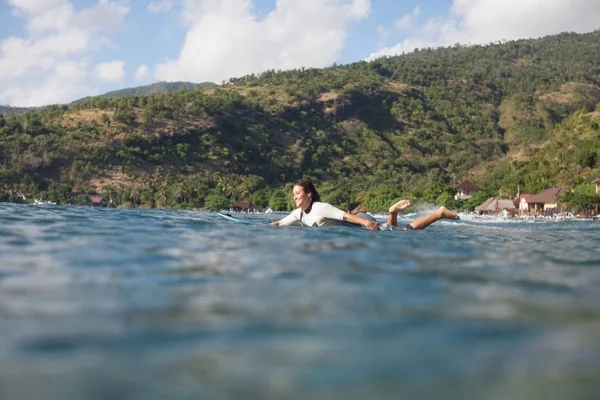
[55,51]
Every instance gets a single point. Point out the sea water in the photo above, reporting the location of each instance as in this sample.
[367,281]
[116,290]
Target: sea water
[157,304]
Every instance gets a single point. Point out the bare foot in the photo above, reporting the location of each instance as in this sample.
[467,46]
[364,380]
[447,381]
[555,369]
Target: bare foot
[399,206]
[448,214]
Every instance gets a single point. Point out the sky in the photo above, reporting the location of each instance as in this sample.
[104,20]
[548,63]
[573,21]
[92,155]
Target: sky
[57,51]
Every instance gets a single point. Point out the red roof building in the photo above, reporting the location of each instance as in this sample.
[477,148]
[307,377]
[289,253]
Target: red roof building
[97,201]
[546,200]
[465,190]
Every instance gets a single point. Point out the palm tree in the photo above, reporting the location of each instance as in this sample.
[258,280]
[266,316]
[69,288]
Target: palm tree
[109,192]
[178,192]
[229,184]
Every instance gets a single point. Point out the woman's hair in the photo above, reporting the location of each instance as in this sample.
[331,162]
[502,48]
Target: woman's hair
[309,188]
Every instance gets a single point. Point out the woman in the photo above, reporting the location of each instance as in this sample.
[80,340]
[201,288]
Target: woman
[312,212]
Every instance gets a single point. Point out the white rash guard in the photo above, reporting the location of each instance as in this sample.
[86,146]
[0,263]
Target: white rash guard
[321,214]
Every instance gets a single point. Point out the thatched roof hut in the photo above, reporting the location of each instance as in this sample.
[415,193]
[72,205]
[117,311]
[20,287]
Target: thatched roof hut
[495,204]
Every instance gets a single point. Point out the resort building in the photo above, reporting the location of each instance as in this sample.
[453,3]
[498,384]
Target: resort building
[465,190]
[495,205]
[97,201]
[547,200]
[597,183]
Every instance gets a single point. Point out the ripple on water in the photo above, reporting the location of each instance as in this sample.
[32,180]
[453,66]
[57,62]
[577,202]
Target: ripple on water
[232,310]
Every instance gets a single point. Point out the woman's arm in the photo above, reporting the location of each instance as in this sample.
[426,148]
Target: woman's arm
[355,219]
[291,219]
[328,211]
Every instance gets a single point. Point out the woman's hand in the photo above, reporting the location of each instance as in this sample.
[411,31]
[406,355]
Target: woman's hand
[372,225]
[355,219]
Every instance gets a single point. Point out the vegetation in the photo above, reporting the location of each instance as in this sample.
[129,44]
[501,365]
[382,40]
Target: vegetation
[158,87]
[155,88]
[517,114]
[7,110]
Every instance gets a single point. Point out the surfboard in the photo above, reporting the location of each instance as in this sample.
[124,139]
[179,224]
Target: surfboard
[232,218]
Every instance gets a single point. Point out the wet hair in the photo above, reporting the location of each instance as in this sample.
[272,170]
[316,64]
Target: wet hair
[308,187]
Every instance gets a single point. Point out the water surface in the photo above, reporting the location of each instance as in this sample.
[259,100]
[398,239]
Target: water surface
[154,304]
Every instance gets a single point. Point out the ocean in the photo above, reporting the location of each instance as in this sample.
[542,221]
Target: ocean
[102,303]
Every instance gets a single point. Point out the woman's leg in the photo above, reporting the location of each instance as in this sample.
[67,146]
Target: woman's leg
[395,209]
[424,222]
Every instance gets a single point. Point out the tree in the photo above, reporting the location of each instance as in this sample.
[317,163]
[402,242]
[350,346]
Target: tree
[475,200]
[447,199]
[59,192]
[104,119]
[582,199]
[278,200]
[125,115]
[261,197]
[379,198]
[588,157]
[216,201]
[433,191]
[110,193]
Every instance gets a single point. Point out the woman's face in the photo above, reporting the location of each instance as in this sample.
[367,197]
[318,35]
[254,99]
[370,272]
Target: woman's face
[301,198]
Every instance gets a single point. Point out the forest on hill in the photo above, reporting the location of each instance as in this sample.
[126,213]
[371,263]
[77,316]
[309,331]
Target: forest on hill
[158,87]
[7,110]
[155,88]
[523,114]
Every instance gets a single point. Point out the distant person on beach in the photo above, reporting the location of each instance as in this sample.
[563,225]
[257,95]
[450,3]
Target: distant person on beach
[311,212]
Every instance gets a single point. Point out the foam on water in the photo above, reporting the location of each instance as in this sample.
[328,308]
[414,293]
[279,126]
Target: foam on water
[105,303]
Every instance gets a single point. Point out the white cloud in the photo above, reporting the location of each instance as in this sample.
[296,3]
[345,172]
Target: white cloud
[142,73]
[71,70]
[112,72]
[50,63]
[20,58]
[407,22]
[160,6]
[35,6]
[382,35]
[52,19]
[105,15]
[359,8]
[54,89]
[486,21]
[225,39]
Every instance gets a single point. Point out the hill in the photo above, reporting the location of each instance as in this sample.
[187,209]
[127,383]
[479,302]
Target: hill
[7,110]
[155,88]
[518,113]
[158,87]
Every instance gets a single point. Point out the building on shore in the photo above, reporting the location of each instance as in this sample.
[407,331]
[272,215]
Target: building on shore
[547,202]
[465,190]
[97,201]
[495,205]
[245,206]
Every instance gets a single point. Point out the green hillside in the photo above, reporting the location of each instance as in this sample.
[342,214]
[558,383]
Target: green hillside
[7,110]
[518,113]
[158,87]
[155,88]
